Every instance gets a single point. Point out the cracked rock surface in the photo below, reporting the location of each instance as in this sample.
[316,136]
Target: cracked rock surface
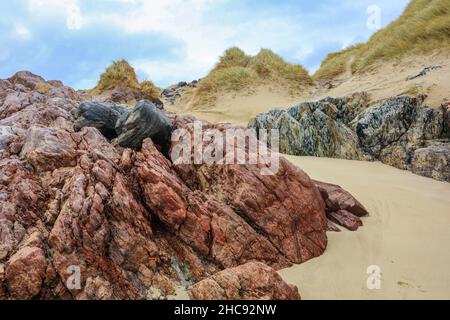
[400,132]
[130,222]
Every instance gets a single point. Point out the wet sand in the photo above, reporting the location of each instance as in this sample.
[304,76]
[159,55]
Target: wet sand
[407,235]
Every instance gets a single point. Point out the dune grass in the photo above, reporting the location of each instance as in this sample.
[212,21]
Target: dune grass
[269,65]
[42,87]
[233,57]
[336,63]
[149,90]
[120,74]
[423,27]
[238,71]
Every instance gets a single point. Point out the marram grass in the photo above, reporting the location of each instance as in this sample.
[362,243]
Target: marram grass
[237,71]
[423,27]
[120,74]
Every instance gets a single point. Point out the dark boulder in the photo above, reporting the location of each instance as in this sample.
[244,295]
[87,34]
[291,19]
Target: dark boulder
[159,104]
[446,110]
[167,92]
[144,121]
[101,116]
[318,128]
[384,124]
[390,131]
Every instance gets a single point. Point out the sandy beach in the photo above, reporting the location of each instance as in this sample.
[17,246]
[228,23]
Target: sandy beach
[406,235]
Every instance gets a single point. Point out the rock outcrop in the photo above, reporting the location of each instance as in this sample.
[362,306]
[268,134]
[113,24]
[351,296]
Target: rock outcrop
[144,121]
[128,126]
[395,132]
[82,217]
[251,281]
[341,207]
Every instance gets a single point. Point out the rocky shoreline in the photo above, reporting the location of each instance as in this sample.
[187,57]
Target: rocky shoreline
[402,132]
[88,189]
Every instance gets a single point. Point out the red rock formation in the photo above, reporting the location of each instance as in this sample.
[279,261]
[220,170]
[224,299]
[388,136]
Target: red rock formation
[251,281]
[341,207]
[134,225]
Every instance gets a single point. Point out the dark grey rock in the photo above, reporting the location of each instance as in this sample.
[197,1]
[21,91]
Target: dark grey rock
[144,121]
[424,72]
[159,104]
[446,111]
[399,132]
[384,124]
[101,116]
[316,128]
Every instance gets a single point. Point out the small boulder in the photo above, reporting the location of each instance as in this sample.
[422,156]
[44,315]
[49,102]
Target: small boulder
[49,148]
[145,121]
[101,116]
[25,272]
[337,199]
[251,281]
[341,207]
[345,219]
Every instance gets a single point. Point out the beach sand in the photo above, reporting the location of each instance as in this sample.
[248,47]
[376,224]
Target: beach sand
[407,235]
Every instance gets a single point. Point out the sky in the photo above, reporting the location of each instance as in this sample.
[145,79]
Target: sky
[168,41]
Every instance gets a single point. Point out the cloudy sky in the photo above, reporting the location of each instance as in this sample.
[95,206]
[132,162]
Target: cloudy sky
[172,40]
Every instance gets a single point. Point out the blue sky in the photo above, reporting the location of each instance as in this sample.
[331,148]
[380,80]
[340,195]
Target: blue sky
[173,40]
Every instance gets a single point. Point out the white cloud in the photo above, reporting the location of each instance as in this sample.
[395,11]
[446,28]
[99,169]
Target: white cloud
[22,32]
[69,9]
[203,29]
[203,39]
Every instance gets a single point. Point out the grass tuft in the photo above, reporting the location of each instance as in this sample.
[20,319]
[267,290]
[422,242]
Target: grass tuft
[42,87]
[149,90]
[423,27]
[237,71]
[120,74]
[233,57]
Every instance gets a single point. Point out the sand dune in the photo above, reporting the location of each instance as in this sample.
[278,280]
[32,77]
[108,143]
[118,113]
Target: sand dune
[238,108]
[389,79]
[384,81]
[407,236]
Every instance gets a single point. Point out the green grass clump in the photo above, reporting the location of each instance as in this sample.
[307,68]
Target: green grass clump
[237,71]
[423,27]
[336,63]
[149,90]
[120,74]
[233,57]
[233,78]
[269,65]
[42,87]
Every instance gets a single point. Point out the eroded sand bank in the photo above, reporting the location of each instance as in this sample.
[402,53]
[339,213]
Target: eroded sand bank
[407,236]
